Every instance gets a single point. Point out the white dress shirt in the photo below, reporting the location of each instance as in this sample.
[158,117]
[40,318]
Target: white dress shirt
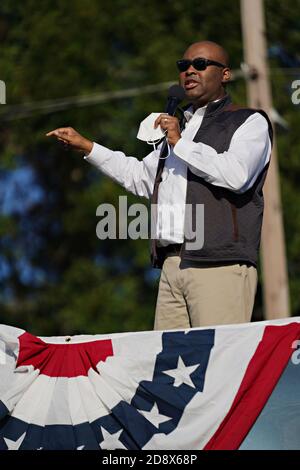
[236,169]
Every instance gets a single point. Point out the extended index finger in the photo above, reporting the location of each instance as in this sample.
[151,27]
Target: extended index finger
[60,132]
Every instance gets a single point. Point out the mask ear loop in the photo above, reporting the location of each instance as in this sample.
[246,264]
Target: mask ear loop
[154,142]
[169,152]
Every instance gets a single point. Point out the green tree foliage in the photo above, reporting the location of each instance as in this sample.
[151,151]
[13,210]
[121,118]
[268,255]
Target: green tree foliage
[56,276]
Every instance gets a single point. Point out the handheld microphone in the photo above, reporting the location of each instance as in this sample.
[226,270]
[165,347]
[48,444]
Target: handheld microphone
[175,95]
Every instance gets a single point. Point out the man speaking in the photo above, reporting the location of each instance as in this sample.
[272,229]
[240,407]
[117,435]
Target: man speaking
[217,156]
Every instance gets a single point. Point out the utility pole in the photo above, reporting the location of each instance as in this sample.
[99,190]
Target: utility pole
[275,278]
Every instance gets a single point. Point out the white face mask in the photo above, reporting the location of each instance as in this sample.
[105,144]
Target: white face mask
[147,133]
[152,136]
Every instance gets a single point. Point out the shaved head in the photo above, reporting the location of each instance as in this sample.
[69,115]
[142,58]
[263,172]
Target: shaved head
[212,50]
[203,84]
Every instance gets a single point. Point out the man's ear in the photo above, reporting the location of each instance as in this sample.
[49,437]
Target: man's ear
[226,75]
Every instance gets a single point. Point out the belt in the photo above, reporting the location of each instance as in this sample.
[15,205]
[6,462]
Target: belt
[173,249]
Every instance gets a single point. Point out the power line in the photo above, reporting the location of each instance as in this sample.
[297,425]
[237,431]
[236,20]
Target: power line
[11,112]
[20,111]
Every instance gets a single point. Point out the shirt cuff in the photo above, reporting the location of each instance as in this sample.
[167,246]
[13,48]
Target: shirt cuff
[184,148]
[99,154]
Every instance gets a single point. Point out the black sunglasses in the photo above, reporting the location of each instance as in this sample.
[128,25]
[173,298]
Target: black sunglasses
[199,64]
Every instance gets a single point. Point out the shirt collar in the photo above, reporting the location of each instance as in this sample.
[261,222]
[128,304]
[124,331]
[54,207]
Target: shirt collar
[212,107]
[189,113]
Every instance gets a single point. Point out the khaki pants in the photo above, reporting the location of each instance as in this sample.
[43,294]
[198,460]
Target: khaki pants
[204,296]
